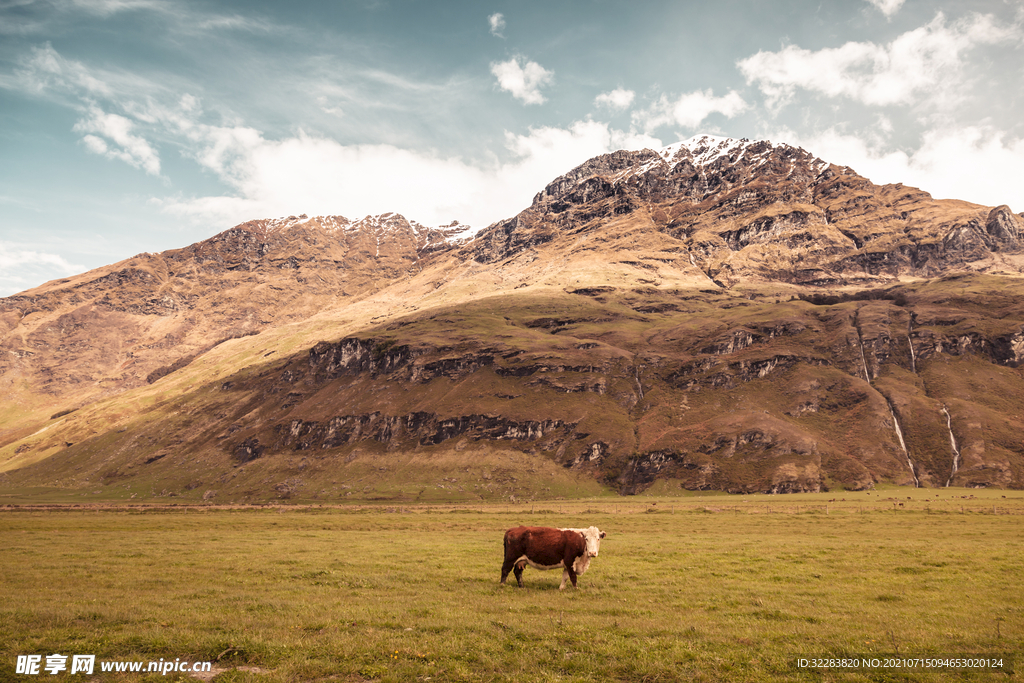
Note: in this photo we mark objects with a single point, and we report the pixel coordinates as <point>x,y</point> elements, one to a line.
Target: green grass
<point>685,589</point>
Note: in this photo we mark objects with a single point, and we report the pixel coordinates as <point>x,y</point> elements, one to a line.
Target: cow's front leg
<point>568,575</point>
<point>569,572</point>
<point>572,575</point>
<point>520,566</point>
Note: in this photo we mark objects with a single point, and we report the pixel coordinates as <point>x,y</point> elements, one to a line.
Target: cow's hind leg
<point>520,566</point>
<point>506,567</point>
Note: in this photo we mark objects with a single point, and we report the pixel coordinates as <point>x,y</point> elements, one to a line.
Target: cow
<point>547,548</point>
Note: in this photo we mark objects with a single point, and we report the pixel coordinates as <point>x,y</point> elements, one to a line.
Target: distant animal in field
<point>547,548</point>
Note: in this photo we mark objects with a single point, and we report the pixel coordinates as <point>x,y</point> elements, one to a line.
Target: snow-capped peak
<point>704,149</point>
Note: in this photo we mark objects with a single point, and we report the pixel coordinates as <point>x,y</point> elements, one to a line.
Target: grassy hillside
<point>594,388</point>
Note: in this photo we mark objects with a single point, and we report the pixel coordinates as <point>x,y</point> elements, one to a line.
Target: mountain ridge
<point>881,231</point>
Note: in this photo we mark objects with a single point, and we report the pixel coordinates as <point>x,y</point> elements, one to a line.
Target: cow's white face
<point>593,537</point>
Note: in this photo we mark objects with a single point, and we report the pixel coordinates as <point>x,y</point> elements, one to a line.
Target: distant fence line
<point>947,507</point>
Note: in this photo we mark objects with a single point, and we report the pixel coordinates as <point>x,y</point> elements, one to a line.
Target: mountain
<point>752,211</point>
<point>72,341</point>
<point>719,314</point>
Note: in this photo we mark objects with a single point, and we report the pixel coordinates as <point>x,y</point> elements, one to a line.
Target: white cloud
<point>887,7</point>
<point>973,163</point>
<point>524,81</point>
<point>233,22</point>
<point>117,129</point>
<point>46,70</point>
<point>189,103</point>
<point>314,174</point>
<point>317,176</point>
<point>11,255</point>
<point>926,61</point>
<point>45,73</point>
<point>497,23</point>
<point>21,267</point>
<point>108,7</point>
<point>180,16</point>
<point>47,17</point>
<point>688,110</point>
<point>616,100</point>
<point>620,139</point>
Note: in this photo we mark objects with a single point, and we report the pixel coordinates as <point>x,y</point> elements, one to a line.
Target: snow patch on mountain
<point>380,225</point>
<point>704,150</point>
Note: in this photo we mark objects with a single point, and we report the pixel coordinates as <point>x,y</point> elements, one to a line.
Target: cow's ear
<point>603,534</point>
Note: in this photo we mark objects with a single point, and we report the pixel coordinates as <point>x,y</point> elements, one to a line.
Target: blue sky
<point>143,125</point>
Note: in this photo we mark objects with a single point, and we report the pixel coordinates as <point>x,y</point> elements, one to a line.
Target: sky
<point>131,126</point>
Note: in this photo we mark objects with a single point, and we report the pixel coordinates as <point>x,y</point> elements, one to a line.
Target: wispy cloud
<point>689,110</point>
<point>887,7</point>
<point>44,69</point>
<point>523,79</point>
<point>22,267</point>
<point>128,116</point>
<point>18,18</point>
<point>181,16</point>
<point>114,138</point>
<point>11,255</point>
<point>497,23</point>
<point>176,16</point>
<point>108,7</point>
<point>926,62</point>
<point>268,174</point>
<point>46,73</point>
<point>232,22</point>
<point>616,100</point>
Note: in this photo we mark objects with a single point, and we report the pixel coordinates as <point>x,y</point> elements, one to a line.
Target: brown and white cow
<point>547,548</point>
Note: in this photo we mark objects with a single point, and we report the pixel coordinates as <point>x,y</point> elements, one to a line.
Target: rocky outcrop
<point>713,373</point>
<point>1005,228</point>
<point>248,450</point>
<point>420,427</point>
<point>353,356</point>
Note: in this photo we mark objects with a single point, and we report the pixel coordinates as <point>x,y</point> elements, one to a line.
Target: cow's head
<point>593,537</point>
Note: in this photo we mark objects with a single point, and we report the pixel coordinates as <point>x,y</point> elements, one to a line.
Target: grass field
<point>720,588</point>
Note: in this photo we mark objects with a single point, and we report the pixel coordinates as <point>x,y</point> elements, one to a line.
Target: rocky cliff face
<point>720,314</point>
